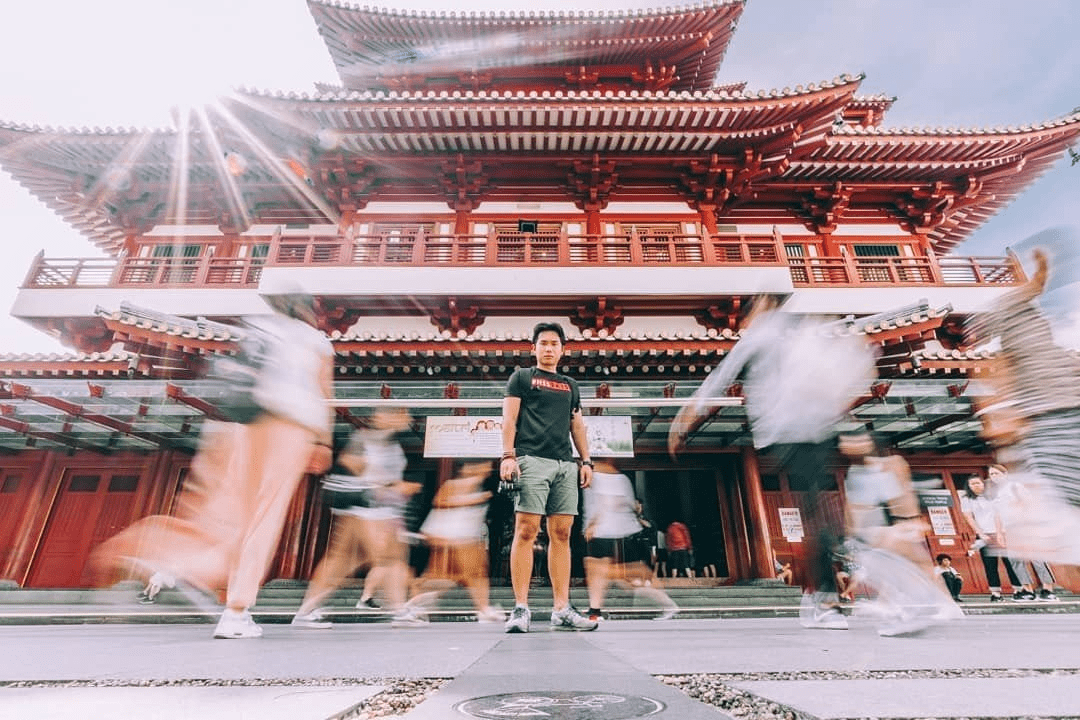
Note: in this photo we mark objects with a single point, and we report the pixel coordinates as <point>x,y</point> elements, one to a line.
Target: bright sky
<point>966,63</point>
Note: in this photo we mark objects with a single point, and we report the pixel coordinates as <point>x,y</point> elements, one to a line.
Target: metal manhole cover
<point>560,705</point>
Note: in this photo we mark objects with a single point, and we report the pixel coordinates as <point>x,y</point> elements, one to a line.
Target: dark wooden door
<point>90,507</point>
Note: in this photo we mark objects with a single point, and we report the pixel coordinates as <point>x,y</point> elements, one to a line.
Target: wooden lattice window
<point>875,250</point>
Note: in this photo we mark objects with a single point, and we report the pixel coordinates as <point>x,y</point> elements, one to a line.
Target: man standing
<point>541,412</point>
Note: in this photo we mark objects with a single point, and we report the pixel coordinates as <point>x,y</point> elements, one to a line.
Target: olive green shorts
<point>547,487</point>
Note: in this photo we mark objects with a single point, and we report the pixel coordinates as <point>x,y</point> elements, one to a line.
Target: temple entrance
<point>89,508</point>
<point>689,495</point>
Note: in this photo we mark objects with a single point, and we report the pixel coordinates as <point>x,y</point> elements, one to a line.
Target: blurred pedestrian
<point>1037,381</point>
<point>799,379</point>
<point>292,436</point>
<point>368,503</point>
<point>612,520</point>
<point>888,538</point>
<point>1009,495</point>
<point>455,531</point>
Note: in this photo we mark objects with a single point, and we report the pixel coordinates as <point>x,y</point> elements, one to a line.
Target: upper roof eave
<point>10,126</point>
<point>841,82</point>
<point>952,133</point>
<point>377,37</point>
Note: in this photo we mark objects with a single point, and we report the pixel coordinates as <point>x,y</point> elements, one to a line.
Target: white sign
<point>480,436</point>
<point>791,524</point>
<point>941,520</point>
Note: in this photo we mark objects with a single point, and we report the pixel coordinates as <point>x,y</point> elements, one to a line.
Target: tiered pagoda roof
<point>775,157</point>
<point>678,50</point>
<point>435,107</point>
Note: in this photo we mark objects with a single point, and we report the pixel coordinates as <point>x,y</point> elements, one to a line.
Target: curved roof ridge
<point>73,356</point>
<point>877,98</point>
<point>35,128</point>
<point>953,131</point>
<point>617,14</point>
<point>343,93</point>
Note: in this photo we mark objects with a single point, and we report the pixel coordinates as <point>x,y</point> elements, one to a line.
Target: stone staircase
<point>278,600</point>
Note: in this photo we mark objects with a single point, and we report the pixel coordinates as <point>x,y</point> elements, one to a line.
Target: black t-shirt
<point>548,400</point>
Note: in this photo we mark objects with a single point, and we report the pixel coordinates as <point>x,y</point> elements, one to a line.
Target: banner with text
<point>480,436</point>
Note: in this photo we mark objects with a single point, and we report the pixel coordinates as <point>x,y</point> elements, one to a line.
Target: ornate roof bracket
<point>463,181</point>
<point>592,182</point>
<point>582,77</point>
<point>85,335</point>
<point>336,316</point>
<point>706,182</point>
<point>826,206</point>
<point>457,319</point>
<point>597,315</point>
<point>923,210</point>
<point>656,77</point>
<point>345,182</point>
<point>724,315</point>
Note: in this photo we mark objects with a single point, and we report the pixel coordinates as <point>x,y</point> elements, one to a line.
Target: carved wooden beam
<point>724,315</point>
<point>656,77</point>
<point>454,318</point>
<point>463,181</point>
<point>825,206</point>
<point>597,315</point>
<point>592,181</point>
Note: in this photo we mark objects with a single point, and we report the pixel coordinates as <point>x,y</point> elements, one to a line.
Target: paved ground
<point>984,666</point>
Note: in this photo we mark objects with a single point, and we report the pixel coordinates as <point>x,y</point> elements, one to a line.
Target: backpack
<point>235,376</point>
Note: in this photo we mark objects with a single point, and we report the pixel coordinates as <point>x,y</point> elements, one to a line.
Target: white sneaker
<point>907,625</point>
<point>236,625</point>
<point>408,617</point>
<point>519,620</point>
<point>668,613</point>
<point>821,617</point>
<point>570,619</point>
<point>313,620</point>
<point>491,614</point>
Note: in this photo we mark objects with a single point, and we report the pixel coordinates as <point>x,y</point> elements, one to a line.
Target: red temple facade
<point>472,175</point>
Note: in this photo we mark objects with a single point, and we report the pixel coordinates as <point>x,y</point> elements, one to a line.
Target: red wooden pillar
<point>592,219</point>
<point>829,246</point>
<point>707,214</point>
<point>462,216</point>
<point>757,517</point>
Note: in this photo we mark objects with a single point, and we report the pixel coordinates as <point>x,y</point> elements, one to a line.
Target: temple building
<point>472,174</point>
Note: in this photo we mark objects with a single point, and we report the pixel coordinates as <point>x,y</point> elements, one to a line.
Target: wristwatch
<point>588,462</point>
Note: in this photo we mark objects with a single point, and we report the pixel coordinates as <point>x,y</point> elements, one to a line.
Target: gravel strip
<point>399,696</point>
<point>716,689</point>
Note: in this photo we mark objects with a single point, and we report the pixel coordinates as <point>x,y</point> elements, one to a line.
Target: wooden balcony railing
<point>520,249</point>
<point>947,270</point>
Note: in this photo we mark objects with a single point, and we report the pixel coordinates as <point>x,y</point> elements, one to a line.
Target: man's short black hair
<point>548,327</point>
<point>943,556</point>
